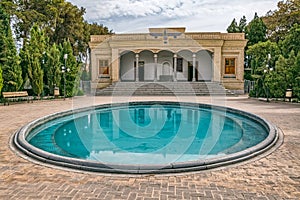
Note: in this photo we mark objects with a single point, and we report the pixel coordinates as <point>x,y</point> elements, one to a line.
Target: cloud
<point>141,8</point>
<point>128,15</point>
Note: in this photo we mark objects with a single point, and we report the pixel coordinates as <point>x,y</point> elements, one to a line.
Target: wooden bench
<point>15,96</point>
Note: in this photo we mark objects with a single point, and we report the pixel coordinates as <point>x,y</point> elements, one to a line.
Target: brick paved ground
<point>276,176</point>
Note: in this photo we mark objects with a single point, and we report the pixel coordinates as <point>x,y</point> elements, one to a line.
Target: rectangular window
<point>179,64</point>
<point>229,65</point>
<point>103,67</point>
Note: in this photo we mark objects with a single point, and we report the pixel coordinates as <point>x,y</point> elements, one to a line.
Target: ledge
<point>20,142</point>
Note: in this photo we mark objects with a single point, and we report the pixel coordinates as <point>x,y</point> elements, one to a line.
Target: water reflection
<point>148,134</point>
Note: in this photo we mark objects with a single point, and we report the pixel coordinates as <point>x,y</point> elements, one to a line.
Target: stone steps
<point>164,89</point>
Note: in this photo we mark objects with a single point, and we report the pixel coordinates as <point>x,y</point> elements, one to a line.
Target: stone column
<point>94,70</point>
<point>115,65</point>
<point>137,67</point>
<point>175,68</point>
<point>217,70</point>
<point>194,67</point>
<point>240,66</point>
<point>155,67</point>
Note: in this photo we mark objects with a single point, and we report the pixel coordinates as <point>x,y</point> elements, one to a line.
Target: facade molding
<point>192,56</point>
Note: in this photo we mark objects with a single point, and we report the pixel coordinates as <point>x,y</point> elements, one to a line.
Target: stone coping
<point>19,140</point>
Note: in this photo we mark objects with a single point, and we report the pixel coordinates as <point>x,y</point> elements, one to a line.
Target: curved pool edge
<point>19,141</point>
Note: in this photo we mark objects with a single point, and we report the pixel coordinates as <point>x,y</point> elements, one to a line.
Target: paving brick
<point>273,177</point>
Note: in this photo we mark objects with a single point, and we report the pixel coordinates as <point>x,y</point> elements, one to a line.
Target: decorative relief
<point>216,36</point>
<point>194,36</point>
<point>130,37</point>
<point>204,36</point>
<point>233,36</point>
<point>99,38</point>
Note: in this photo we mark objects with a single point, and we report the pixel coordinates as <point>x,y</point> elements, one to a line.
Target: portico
<point>166,65</point>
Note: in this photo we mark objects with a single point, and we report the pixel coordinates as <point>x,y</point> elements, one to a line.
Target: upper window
<point>229,65</point>
<point>103,67</point>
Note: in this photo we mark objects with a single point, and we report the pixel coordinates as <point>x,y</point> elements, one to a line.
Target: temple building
<point>168,55</point>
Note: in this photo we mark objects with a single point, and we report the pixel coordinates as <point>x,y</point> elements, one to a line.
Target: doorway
<point>190,71</point>
<point>141,70</point>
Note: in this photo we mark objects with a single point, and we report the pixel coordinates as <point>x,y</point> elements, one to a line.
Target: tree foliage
<point>98,29</point>
<point>233,27</point>
<point>256,31</point>
<point>291,41</point>
<point>284,76</point>
<point>34,51</point>
<point>242,24</point>
<point>46,30</point>
<point>1,80</point>
<point>259,55</point>
<point>52,68</point>
<point>73,74</point>
<point>60,20</point>
<point>9,61</point>
<point>237,28</point>
<point>281,20</point>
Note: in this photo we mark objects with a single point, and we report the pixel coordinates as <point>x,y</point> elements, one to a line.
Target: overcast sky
<point>125,16</point>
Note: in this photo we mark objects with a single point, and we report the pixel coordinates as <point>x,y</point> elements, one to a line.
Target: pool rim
<point>22,145</point>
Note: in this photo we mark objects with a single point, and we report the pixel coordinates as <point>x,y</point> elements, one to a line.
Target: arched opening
<point>205,65</point>
<point>146,66</point>
<point>127,72</point>
<point>165,69</point>
<point>185,65</point>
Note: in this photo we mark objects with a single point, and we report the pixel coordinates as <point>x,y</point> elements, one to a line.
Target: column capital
<point>137,55</point>
<point>155,55</point>
<point>175,55</point>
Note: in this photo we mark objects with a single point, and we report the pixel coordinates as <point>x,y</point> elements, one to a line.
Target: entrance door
<point>190,71</point>
<point>141,71</point>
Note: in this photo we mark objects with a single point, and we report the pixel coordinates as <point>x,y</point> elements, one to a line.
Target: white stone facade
<point>168,54</point>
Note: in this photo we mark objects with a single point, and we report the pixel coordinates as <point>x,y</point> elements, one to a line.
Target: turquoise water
<point>148,134</point>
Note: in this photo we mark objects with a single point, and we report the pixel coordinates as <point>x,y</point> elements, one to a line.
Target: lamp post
<point>267,70</point>
<point>64,69</point>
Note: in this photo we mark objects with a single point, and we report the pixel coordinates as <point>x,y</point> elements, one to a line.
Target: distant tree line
<point>272,55</point>
<point>34,37</point>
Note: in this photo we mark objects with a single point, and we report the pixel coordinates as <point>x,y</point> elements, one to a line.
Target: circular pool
<point>146,137</point>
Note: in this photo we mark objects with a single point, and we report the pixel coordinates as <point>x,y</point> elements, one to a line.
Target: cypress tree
<point>52,68</point>
<point>233,27</point>
<point>33,54</point>
<point>1,80</point>
<point>73,75</point>
<point>256,31</point>
<point>9,60</point>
